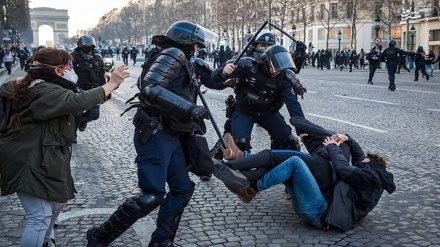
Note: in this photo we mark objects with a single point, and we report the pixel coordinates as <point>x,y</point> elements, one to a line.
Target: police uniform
<point>420,61</point>
<point>391,56</point>
<point>90,71</point>
<point>259,97</point>
<point>167,116</point>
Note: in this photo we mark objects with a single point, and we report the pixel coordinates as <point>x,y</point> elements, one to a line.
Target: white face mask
<point>70,75</point>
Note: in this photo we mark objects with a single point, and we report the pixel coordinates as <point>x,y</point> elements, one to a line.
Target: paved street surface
<point>403,125</point>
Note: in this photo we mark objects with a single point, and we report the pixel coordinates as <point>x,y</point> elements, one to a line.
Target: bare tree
<point>389,15</point>
<point>327,16</point>
<point>305,18</point>
<point>356,12</point>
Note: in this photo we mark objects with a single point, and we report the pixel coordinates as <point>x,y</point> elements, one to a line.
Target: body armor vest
<point>89,71</point>
<point>259,93</point>
<point>391,53</point>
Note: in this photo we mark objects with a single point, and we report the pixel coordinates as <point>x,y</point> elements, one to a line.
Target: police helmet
<point>420,48</point>
<point>86,40</point>
<point>187,33</point>
<point>392,43</point>
<point>265,37</point>
<point>277,58</point>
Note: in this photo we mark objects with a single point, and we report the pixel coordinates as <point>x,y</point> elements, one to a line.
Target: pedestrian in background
<point>373,58</point>
<point>36,148</point>
<point>420,61</point>
<point>23,56</point>
<point>2,55</point>
<point>430,62</point>
<point>8,59</point>
<point>362,58</point>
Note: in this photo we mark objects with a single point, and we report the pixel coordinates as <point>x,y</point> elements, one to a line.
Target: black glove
<point>299,89</point>
<point>198,113</point>
<point>246,63</point>
<point>296,84</point>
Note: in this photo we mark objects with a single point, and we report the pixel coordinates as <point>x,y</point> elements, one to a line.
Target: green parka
<point>36,158</point>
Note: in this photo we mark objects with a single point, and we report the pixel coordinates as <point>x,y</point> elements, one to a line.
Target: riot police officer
<point>420,61</point>
<point>91,74</point>
<point>391,56</point>
<point>262,89</point>
<point>167,116</point>
<point>125,54</point>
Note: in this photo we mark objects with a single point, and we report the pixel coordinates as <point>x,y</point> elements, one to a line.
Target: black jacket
<point>366,181</point>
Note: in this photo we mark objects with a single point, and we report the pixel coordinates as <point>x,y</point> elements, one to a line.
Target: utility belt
<point>146,125</point>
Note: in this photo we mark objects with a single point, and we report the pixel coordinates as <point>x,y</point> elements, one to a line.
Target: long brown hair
<point>45,60</point>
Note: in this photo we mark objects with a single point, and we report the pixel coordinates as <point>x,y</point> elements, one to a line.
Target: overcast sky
<point>84,14</point>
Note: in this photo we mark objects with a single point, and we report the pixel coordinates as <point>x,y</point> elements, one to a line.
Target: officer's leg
<point>416,73</point>
<point>280,132</point>
<point>392,76</point>
<point>153,158</point>
<point>181,189</point>
<point>242,125</point>
<point>125,216</point>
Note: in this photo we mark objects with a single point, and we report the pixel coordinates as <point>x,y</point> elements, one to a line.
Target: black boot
<point>125,216</point>
<point>170,221</point>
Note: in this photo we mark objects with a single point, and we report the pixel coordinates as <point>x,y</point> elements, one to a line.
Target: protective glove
<point>198,113</point>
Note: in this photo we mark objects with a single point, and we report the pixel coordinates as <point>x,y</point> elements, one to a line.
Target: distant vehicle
<point>108,62</point>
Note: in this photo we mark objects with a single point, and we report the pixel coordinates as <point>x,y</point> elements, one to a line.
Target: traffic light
<point>281,42</point>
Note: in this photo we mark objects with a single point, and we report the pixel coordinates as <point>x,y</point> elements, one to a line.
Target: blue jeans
<point>161,160</point>
<point>41,215</point>
<point>307,199</point>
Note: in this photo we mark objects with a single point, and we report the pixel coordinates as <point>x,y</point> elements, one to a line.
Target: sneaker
<point>229,176</point>
<point>416,79</point>
<point>232,152</point>
<point>245,195</point>
<point>393,87</point>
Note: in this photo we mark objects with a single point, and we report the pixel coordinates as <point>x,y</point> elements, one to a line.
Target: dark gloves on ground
<point>198,113</point>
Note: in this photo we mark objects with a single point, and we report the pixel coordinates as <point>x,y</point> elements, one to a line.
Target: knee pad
<point>244,144</point>
<point>227,127</point>
<point>291,143</point>
<point>140,205</point>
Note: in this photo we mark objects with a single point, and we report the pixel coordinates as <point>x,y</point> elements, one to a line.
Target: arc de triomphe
<point>55,18</point>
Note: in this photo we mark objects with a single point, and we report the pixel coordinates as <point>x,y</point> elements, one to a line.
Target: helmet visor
<point>281,61</point>
<point>209,36</point>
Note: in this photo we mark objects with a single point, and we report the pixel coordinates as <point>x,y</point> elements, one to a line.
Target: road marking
<point>433,110</point>
<point>399,88</point>
<point>348,122</point>
<point>370,100</point>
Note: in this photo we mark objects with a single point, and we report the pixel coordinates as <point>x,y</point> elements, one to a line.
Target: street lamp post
<point>339,40</point>
<point>293,36</point>
<point>377,26</point>
<point>293,31</point>
<point>412,32</point>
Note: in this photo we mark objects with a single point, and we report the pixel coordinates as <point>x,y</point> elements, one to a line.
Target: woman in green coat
<point>36,148</point>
